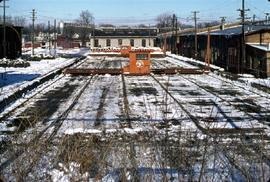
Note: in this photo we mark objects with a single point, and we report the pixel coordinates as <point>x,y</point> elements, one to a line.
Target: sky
<point>134,11</point>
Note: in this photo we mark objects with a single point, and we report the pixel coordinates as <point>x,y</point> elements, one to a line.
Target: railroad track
<point>12,111</point>
<point>259,118</point>
<point>125,102</point>
<point>221,98</point>
<point>245,139</point>
<point>42,137</point>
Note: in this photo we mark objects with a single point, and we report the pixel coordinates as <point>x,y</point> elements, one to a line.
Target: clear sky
<point>133,11</point>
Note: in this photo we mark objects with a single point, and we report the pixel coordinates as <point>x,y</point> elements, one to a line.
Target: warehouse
<point>226,47</point>
<point>116,37</point>
<point>76,36</point>
<point>13,42</point>
<point>258,59</point>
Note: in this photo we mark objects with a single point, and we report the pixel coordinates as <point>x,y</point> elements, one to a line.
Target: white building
<point>116,37</point>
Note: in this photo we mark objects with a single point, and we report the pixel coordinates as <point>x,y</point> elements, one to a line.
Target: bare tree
<point>208,24</point>
<point>164,20</point>
<point>19,21</point>
<point>86,21</point>
<point>9,19</point>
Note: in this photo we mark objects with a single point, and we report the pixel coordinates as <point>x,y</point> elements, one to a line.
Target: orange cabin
<point>139,62</point>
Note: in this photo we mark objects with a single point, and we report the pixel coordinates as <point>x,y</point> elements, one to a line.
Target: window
<point>143,42</point>
<point>142,56</point>
<point>108,42</point>
<point>96,43</point>
<point>120,42</point>
<point>132,42</point>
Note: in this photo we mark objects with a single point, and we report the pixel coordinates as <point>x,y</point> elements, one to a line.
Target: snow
<point>99,113</point>
<point>181,58</point>
<point>260,81</point>
<point>263,47</point>
<point>14,79</point>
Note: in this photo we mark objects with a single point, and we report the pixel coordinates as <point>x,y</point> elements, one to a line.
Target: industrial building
<point>13,42</point>
<point>226,48</point>
<point>106,36</point>
<point>116,37</point>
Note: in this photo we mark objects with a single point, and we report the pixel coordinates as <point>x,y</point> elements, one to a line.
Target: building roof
<point>237,30</point>
<point>118,32</point>
<point>264,47</point>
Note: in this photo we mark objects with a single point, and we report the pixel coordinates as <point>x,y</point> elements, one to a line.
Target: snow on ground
<point>94,136</point>
<point>194,61</point>
<point>265,82</point>
<point>13,79</point>
<point>58,51</point>
<point>245,77</point>
<point>16,78</point>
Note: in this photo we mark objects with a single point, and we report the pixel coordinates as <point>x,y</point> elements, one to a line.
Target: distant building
<point>107,36</point>
<point>13,42</point>
<point>116,37</point>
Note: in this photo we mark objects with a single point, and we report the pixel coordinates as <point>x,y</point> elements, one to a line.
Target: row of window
<point>120,42</point>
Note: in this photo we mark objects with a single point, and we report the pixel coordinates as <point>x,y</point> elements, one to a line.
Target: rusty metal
<point>119,71</point>
<point>177,71</point>
<point>93,71</point>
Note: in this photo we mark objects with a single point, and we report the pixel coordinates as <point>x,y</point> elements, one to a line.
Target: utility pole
<point>223,20</point>
<point>4,31</point>
<point>33,30</point>
<point>243,20</point>
<point>94,36</point>
<point>176,35</point>
<point>173,36</point>
<point>55,35</point>
<point>254,18</point>
<point>149,36</point>
<point>267,17</point>
<point>4,35</point>
<point>208,50</point>
<point>49,36</point>
<point>196,38</point>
